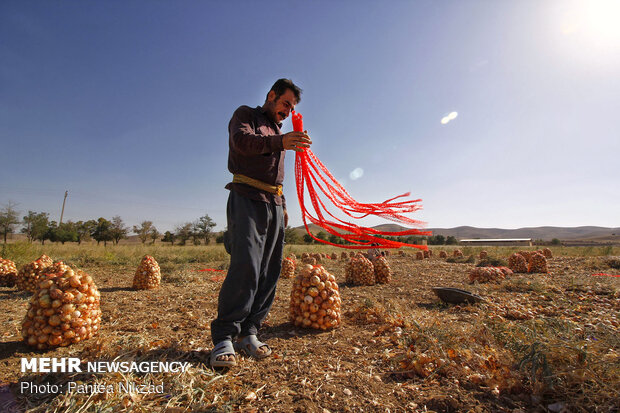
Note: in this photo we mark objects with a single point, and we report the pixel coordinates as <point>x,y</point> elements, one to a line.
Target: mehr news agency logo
<point>73,365</point>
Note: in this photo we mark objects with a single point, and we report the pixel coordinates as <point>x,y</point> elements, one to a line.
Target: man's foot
<point>223,355</point>
<point>250,346</point>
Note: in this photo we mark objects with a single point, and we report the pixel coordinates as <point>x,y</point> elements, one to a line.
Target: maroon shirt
<point>256,150</point>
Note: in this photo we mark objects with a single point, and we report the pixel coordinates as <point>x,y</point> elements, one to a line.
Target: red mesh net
<point>312,176</point>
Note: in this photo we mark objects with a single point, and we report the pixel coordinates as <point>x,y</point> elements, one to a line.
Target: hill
<point>590,233</point>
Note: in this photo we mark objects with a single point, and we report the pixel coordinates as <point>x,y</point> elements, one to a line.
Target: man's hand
<point>296,141</point>
<point>285,219</point>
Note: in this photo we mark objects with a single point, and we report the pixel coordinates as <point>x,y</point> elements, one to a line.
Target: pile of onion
<point>419,255</point>
<point>63,310</point>
<point>8,273</point>
<point>457,253</point>
<point>443,254</point>
<point>31,274</point>
<point>288,268</point>
<point>537,263</point>
<point>344,255</point>
<point>517,263</point>
<point>483,254</point>
<point>292,257</point>
<point>383,273</point>
<point>547,253</point>
<point>148,274</point>
<point>317,256</point>
<point>487,274</point>
<point>360,271</point>
<point>526,254</point>
<point>427,253</point>
<point>315,299</point>
<point>334,256</point>
<point>307,259</point>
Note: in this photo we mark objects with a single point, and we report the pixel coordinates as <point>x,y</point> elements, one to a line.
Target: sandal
<point>223,348</point>
<point>249,346</point>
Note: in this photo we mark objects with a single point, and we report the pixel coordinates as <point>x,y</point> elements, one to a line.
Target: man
<point>256,215</point>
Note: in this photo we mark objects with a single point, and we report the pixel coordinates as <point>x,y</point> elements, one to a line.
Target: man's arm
<point>245,140</point>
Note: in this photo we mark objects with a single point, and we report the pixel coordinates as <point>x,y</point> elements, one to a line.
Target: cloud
<point>357,173</point>
<point>451,116</point>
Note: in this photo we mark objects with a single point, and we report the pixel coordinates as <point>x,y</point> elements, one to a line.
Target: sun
<point>595,21</point>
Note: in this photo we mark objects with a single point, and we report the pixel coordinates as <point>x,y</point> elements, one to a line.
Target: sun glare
<point>595,21</point>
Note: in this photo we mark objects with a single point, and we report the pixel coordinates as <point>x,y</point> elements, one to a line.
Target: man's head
<point>281,99</point>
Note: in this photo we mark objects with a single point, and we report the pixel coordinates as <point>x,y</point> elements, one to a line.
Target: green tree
<point>436,240</point>
<point>118,229</point>
<point>102,231</point>
<point>144,230</point>
<point>51,233</point>
<point>184,232</point>
<point>556,241</point>
<point>154,234</point>
<point>308,239</point>
<point>334,239</point>
<point>169,237</point>
<point>85,230</point>
<point>8,219</point>
<point>322,236</point>
<point>451,240</point>
<point>203,228</point>
<point>66,232</point>
<point>35,225</point>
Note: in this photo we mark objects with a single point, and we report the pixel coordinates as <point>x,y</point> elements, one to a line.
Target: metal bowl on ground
<point>456,296</point>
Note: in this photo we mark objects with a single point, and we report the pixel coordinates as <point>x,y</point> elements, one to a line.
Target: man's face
<point>280,108</point>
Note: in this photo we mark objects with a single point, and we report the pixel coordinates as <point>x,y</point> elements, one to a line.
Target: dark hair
<point>282,85</point>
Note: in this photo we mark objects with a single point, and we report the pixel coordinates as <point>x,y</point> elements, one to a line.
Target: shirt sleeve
<point>245,140</point>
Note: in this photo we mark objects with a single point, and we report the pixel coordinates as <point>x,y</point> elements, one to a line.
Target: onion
<point>8,273</point>
<point>148,274</point>
<point>320,306</point>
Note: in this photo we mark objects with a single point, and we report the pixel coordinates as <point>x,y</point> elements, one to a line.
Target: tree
<point>436,240</point>
<point>556,241</point>
<point>144,230</point>
<point>51,232</point>
<point>203,228</point>
<point>168,237</point>
<point>334,239</point>
<point>321,235</point>
<point>184,232</point>
<point>102,231</point>
<point>118,229</point>
<point>308,239</point>
<point>291,236</point>
<point>154,234</point>
<point>451,240</point>
<point>66,232</point>
<point>35,225</point>
<point>85,230</point>
<point>8,219</point>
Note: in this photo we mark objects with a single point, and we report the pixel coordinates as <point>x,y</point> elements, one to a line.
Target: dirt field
<point>540,342</point>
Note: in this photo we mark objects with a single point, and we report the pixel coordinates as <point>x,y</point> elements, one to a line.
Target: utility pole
<point>63,207</point>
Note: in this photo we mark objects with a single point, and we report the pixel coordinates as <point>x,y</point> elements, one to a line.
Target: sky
<point>495,113</point>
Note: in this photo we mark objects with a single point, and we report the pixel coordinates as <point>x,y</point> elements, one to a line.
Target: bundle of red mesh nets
<point>313,177</point>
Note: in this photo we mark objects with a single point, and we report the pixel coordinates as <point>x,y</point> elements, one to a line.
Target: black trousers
<point>255,239</point>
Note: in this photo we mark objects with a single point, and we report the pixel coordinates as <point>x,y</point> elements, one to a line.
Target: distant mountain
<point>544,233</point>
